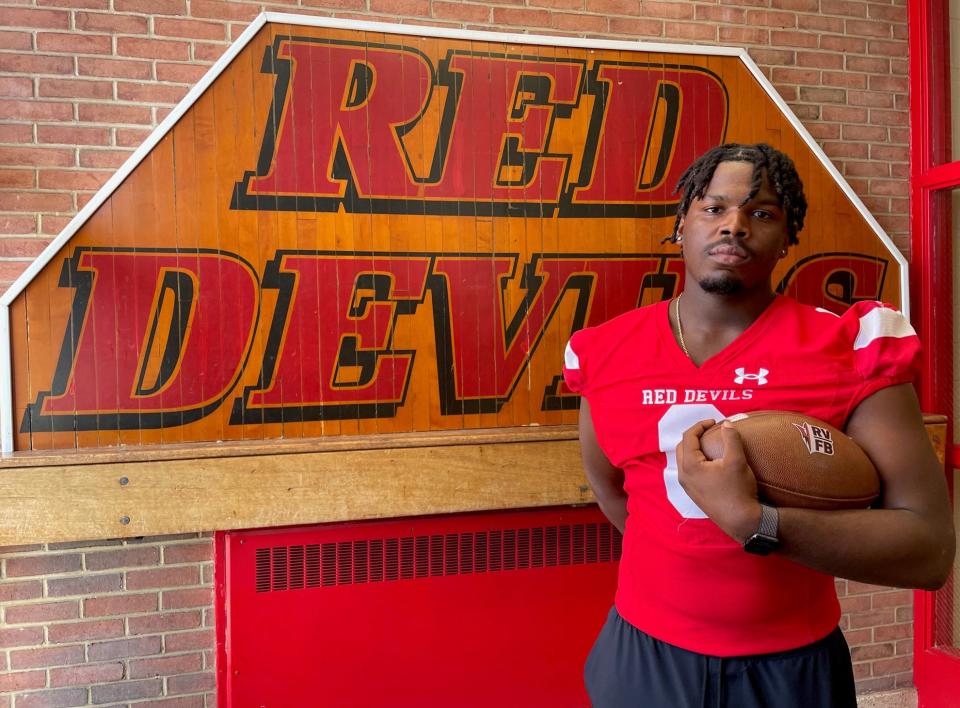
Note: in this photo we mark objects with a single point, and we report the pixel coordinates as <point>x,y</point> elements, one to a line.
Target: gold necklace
<point>676,313</point>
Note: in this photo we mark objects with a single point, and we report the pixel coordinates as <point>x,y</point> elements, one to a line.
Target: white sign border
<point>6,375</point>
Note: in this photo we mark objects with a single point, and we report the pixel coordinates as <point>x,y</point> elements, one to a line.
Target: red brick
<point>119,605</point>
<point>72,135</point>
<point>871,618</point>
<point>16,40</point>
<point>185,641</point>
<point>874,99</point>
<point>22,680</point>
<point>110,22</point>
<point>892,666</point>
<point>114,68</point>
<point>208,572</point>
<point>208,52</point>
<point>888,83</point>
<point>125,690</point>
<point>44,611</point>
<point>771,18</point>
<point>904,614</point>
<point>520,17</point>
<point>20,637</point>
<point>178,702</point>
<point>894,153</point>
<point>11,270</point>
<point>35,64</point>
<point>16,133</point>
<point>217,10</point>
<point>559,4</point>
<point>21,179</point>
<point>195,29</point>
<point>838,150</point>
<point>869,652</point>
<point>903,647</point>
<point>415,8</point>
<point>798,76</point>
<point>128,557</point>
<point>46,656</point>
<point>73,4</point>
<point>870,65</point>
<point>35,201</point>
<point>579,23</point>
<point>822,95</point>
<point>744,35</point>
<point>162,578</point>
<point>103,158</point>
<point>844,79</point>
<point>74,43</point>
<point>86,674</point>
<point>53,225</point>
<point>20,566</point>
<point>84,631</point>
<point>868,28</point>
<point>11,224</point>
<point>885,48</point>
<point>721,14</point>
<point>14,109</point>
<point>24,17</point>
<point>822,60</point>
<point>667,10</point>
<point>165,666</point>
<point>110,113</point>
<point>854,168</point>
<point>848,8</point>
<point>843,44</point>
<point>614,7</point>
<point>152,48</point>
<point>462,11</point>
<point>192,683</point>
<point>180,73</point>
<point>797,5</point>
<point>60,698</point>
<point>639,27</point>
<point>124,648</point>
<point>24,589</point>
<point>152,7</point>
<point>164,622</point>
<point>854,603</point>
<point>73,88</point>
<point>19,87</point>
<point>191,597</point>
<point>904,680</point>
<point>794,39</point>
<point>131,137</point>
<point>858,637</point>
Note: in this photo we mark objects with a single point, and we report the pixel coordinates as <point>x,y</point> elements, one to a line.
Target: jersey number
<point>671,427</point>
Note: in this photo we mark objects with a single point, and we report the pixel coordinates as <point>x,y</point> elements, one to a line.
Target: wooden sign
<point>353,229</point>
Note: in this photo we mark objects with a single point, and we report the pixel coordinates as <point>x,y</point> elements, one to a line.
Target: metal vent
<point>410,557</point>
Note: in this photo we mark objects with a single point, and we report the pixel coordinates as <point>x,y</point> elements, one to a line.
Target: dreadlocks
<point>778,167</point>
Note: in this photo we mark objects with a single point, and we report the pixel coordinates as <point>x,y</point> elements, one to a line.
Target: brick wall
<point>83,82</point>
<point>108,622</point>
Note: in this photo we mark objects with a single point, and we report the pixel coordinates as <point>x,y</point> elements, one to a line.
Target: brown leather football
<point>801,461</point>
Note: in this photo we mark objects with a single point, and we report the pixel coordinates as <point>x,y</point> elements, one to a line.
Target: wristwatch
<point>764,541</point>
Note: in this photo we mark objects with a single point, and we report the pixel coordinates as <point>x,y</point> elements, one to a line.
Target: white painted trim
<point>6,389</point>
<point>838,178</point>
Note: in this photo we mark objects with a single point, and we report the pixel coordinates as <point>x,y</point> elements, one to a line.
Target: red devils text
<point>160,337</point>
<point>377,128</point>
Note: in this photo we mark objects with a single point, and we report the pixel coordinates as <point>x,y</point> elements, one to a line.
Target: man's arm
<point>908,541</point>
<point>605,480</point>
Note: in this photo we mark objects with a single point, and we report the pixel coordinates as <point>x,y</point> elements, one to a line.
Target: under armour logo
<point>741,376</point>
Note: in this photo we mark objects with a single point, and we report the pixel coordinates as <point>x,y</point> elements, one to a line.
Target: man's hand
<point>725,488</point>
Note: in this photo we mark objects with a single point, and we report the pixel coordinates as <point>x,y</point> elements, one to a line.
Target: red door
<point>935,228</point>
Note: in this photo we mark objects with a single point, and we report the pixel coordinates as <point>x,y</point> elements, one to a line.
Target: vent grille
<point>413,557</point>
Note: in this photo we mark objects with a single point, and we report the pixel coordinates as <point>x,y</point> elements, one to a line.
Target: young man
<point>721,600</point>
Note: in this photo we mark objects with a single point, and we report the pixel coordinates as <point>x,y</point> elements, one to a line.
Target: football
<point>800,461</point>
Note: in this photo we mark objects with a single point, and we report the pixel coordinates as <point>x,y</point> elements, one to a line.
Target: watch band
<point>769,521</point>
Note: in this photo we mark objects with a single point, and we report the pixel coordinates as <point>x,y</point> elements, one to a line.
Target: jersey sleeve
<point>886,349</point>
<point>574,361</point>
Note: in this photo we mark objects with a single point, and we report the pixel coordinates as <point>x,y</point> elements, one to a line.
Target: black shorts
<point>630,669</point>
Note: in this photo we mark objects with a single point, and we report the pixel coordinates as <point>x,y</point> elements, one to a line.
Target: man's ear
<point>785,249</point>
<point>679,233</point>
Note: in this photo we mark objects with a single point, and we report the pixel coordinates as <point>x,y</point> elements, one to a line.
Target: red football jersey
<point>682,579</point>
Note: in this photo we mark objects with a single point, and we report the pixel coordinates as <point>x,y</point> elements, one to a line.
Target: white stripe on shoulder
<point>882,322</point>
<point>570,359</point>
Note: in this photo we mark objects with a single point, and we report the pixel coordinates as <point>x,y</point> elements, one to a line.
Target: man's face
<point>730,246</point>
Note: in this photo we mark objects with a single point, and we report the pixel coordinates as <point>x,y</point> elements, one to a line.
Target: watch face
<point>761,545</point>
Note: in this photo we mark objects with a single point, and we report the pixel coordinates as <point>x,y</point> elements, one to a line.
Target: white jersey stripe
<point>882,322</point>
<point>570,359</point>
